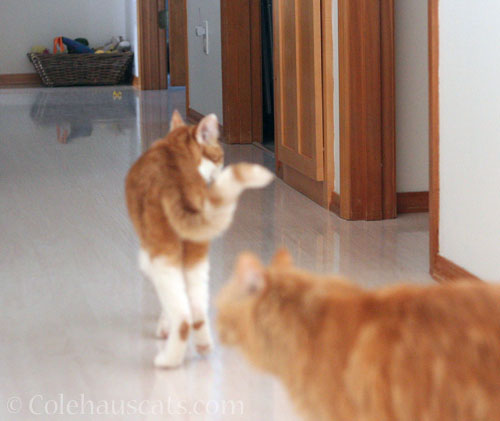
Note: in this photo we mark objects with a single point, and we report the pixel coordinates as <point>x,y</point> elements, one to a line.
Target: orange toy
<point>58,45</point>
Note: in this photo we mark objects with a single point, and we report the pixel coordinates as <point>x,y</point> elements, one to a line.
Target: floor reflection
<point>74,117</point>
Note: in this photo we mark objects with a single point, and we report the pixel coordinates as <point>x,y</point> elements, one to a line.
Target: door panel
<point>299,98</point>
<point>177,42</point>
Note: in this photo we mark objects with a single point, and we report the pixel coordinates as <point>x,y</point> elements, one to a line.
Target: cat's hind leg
<point>162,326</point>
<point>197,283</point>
<point>168,280</point>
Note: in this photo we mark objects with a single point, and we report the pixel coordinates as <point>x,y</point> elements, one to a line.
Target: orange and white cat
<point>179,198</point>
<point>404,353</point>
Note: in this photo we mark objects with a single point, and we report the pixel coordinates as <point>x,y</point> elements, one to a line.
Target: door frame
<point>433,133</point>
<point>367,107</point>
<point>364,143</point>
<point>442,269</point>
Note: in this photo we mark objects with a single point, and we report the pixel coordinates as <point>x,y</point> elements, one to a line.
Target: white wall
<point>412,98</point>
<point>205,71</point>
<point>412,121</point>
<point>24,23</point>
<point>131,30</point>
<point>469,230</point>
<point>336,97</point>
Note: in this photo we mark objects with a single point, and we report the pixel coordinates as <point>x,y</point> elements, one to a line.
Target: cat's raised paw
<point>253,176</point>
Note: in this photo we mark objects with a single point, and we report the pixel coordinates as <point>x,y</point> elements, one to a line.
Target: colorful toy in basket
<point>59,46</point>
<point>40,49</point>
<point>73,46</point>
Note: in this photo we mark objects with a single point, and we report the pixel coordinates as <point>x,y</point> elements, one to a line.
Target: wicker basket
<point>82,69</point>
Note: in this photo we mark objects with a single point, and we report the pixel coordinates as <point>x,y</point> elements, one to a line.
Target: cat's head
<point>203,143</point>
<point>236,299</point>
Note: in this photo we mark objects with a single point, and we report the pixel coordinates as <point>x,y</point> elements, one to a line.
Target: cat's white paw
<point>260,177</point>
<point>203,340</point>
<point>204,349</point>
<point>254,176</point>
<point>163,360</point>
<point>162,328</point>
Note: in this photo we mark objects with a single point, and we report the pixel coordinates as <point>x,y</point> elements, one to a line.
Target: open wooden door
<point>298,85</point>
<point>304,97</point>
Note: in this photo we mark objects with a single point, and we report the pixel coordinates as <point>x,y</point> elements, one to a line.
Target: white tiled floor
<point>77,319</point>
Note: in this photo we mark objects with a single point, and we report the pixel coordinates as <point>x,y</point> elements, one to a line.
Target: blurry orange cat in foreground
<point>180,198</point>
<point>402,353</point>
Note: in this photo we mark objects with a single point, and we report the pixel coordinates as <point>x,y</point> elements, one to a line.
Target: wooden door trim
<point>8,80</point>
<point>367,104</point>
<point>162,49</point>
<point>143,69</point>
<point>194,117</point>
<point>388,79</point>
<point>413,202</point>
<point>187,62</point>
<point>446,271</point>
<point>434,132</point>
<point>331,199</point>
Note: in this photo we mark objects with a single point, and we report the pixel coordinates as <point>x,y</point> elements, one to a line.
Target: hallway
<point>77,317</point>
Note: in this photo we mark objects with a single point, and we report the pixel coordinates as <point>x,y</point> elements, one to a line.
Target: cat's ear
<point>249,273</point>
<point>176,121</point>
<point>207,130</point>
<point>282,258</point>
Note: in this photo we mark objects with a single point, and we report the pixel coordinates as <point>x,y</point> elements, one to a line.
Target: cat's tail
<point>216,212</point>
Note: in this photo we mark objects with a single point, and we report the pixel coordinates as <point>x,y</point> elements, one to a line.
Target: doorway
<point>304,111</point>
<point>162,43</point>
<point>267,75</point>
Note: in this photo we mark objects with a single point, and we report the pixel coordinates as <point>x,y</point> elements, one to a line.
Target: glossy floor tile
<point>77,319</point>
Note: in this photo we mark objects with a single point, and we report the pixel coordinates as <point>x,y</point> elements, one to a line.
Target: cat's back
<point>450,306</point>
<point>151,168</point>
<point>148,177</point>
<point>430,353</point>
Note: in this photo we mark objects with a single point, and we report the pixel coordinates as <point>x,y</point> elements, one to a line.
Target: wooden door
<point>152,48</point>
<point>238,61</point>
<point>298,85</point>
<point>177,42</point>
